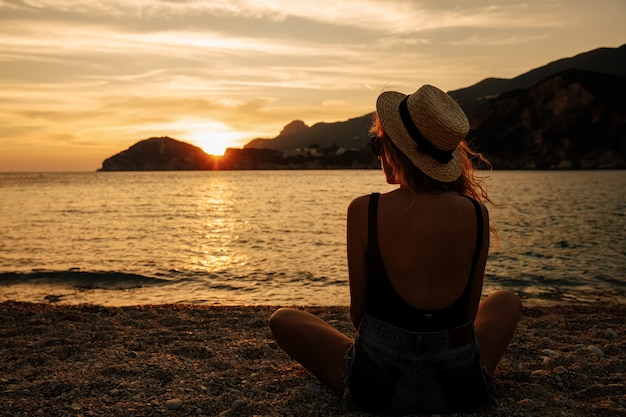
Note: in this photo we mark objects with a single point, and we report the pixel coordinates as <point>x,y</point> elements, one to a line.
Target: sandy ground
<point>181,360</point>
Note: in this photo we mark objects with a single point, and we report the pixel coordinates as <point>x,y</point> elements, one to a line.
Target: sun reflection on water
<point>278,237</point>
<point>216,250</point>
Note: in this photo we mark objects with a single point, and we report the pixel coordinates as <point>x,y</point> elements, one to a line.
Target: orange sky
<point>81,80</point>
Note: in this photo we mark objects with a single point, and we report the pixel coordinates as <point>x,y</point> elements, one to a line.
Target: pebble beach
<point>191,360</point>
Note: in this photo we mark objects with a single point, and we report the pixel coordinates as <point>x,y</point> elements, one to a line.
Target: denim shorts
<point>394,371</point>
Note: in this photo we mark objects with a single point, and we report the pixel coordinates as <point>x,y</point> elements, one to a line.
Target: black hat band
<point>423,145</point>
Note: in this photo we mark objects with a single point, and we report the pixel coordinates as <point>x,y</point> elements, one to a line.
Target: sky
<point>81,80</point>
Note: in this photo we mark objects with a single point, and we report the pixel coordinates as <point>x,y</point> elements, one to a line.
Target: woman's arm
<point>357,266</point>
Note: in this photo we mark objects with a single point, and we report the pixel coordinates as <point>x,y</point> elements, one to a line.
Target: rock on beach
<point>595,350</point>
<point>174,404</point>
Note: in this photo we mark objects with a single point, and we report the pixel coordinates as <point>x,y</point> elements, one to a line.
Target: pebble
<point>595,350</point>
<point>524,401</point>
<point>174,404</point>
<point>550,352</point>
<point>611,333</point>
<point>238,404</point>
<point>547,360</point>
<point>559,381</point>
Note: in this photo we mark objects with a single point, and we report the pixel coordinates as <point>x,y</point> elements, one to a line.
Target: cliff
<point>611,61</point>
<point>575,119</point>
<point>159,154</point>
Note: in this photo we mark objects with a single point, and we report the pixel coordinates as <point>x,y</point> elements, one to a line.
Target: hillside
<point>568,114</point>
<point>348,134</point>
<point>610,61</point>
<point>159,154</point>
<point>574,119</point>
<point>168,154</point>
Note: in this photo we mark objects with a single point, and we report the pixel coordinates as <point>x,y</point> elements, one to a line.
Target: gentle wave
<point>221,288</point>
<point>81,279</point>
<point>118,288</point>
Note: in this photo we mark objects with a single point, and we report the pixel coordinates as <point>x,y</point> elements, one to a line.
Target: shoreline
<point>201,360</point>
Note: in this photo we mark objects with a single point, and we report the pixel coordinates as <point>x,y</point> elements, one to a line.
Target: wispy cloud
<point>77,74</point>
<point>477,40</point>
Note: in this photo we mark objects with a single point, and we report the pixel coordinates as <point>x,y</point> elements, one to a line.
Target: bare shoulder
<point>358,205</point>
<point>357,217</point>
<point>466,201</point>
<point>483,208</point>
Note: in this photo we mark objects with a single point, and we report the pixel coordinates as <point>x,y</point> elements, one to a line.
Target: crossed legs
<point>321,348</point>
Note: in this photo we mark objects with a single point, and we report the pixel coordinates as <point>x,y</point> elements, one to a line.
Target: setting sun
<point>214,145</point>
<point>214,138</point>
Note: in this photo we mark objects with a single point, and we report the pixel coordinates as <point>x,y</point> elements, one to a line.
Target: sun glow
<point>214,138</point>
<point>213,145</point>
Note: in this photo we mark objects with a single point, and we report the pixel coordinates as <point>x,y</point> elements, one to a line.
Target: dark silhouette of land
<point>568,114</point>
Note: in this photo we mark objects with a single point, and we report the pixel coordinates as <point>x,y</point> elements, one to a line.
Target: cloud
<point>391,16</point>
<point>76,72</point>
<point>498,40</point>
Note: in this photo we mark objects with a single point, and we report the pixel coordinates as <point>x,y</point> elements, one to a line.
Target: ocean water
<point>278,237</point>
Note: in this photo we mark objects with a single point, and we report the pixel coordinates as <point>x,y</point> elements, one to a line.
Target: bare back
<point>426,243</point>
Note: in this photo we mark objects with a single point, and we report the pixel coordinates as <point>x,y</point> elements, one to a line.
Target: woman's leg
<point>318,346</point>
<point>495,324</point>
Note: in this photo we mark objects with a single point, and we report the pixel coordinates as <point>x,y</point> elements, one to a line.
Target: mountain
<point>167,154</point>
<point>610,61</point>
<point>159,154</point>
<point>573,119</point>
<point>348,134</point>
<point>568,114</point>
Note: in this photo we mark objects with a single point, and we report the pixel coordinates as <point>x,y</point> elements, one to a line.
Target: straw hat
<point>427,126</point>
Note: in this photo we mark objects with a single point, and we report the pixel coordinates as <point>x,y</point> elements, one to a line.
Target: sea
<point>278,237</point>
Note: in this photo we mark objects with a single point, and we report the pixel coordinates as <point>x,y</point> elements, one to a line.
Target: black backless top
<point>385,304</point>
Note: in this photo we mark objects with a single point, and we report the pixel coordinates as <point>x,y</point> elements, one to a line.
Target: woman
<point>416,258</point>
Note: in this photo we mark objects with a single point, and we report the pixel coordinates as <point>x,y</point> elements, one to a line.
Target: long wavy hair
<point>408,175</point>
